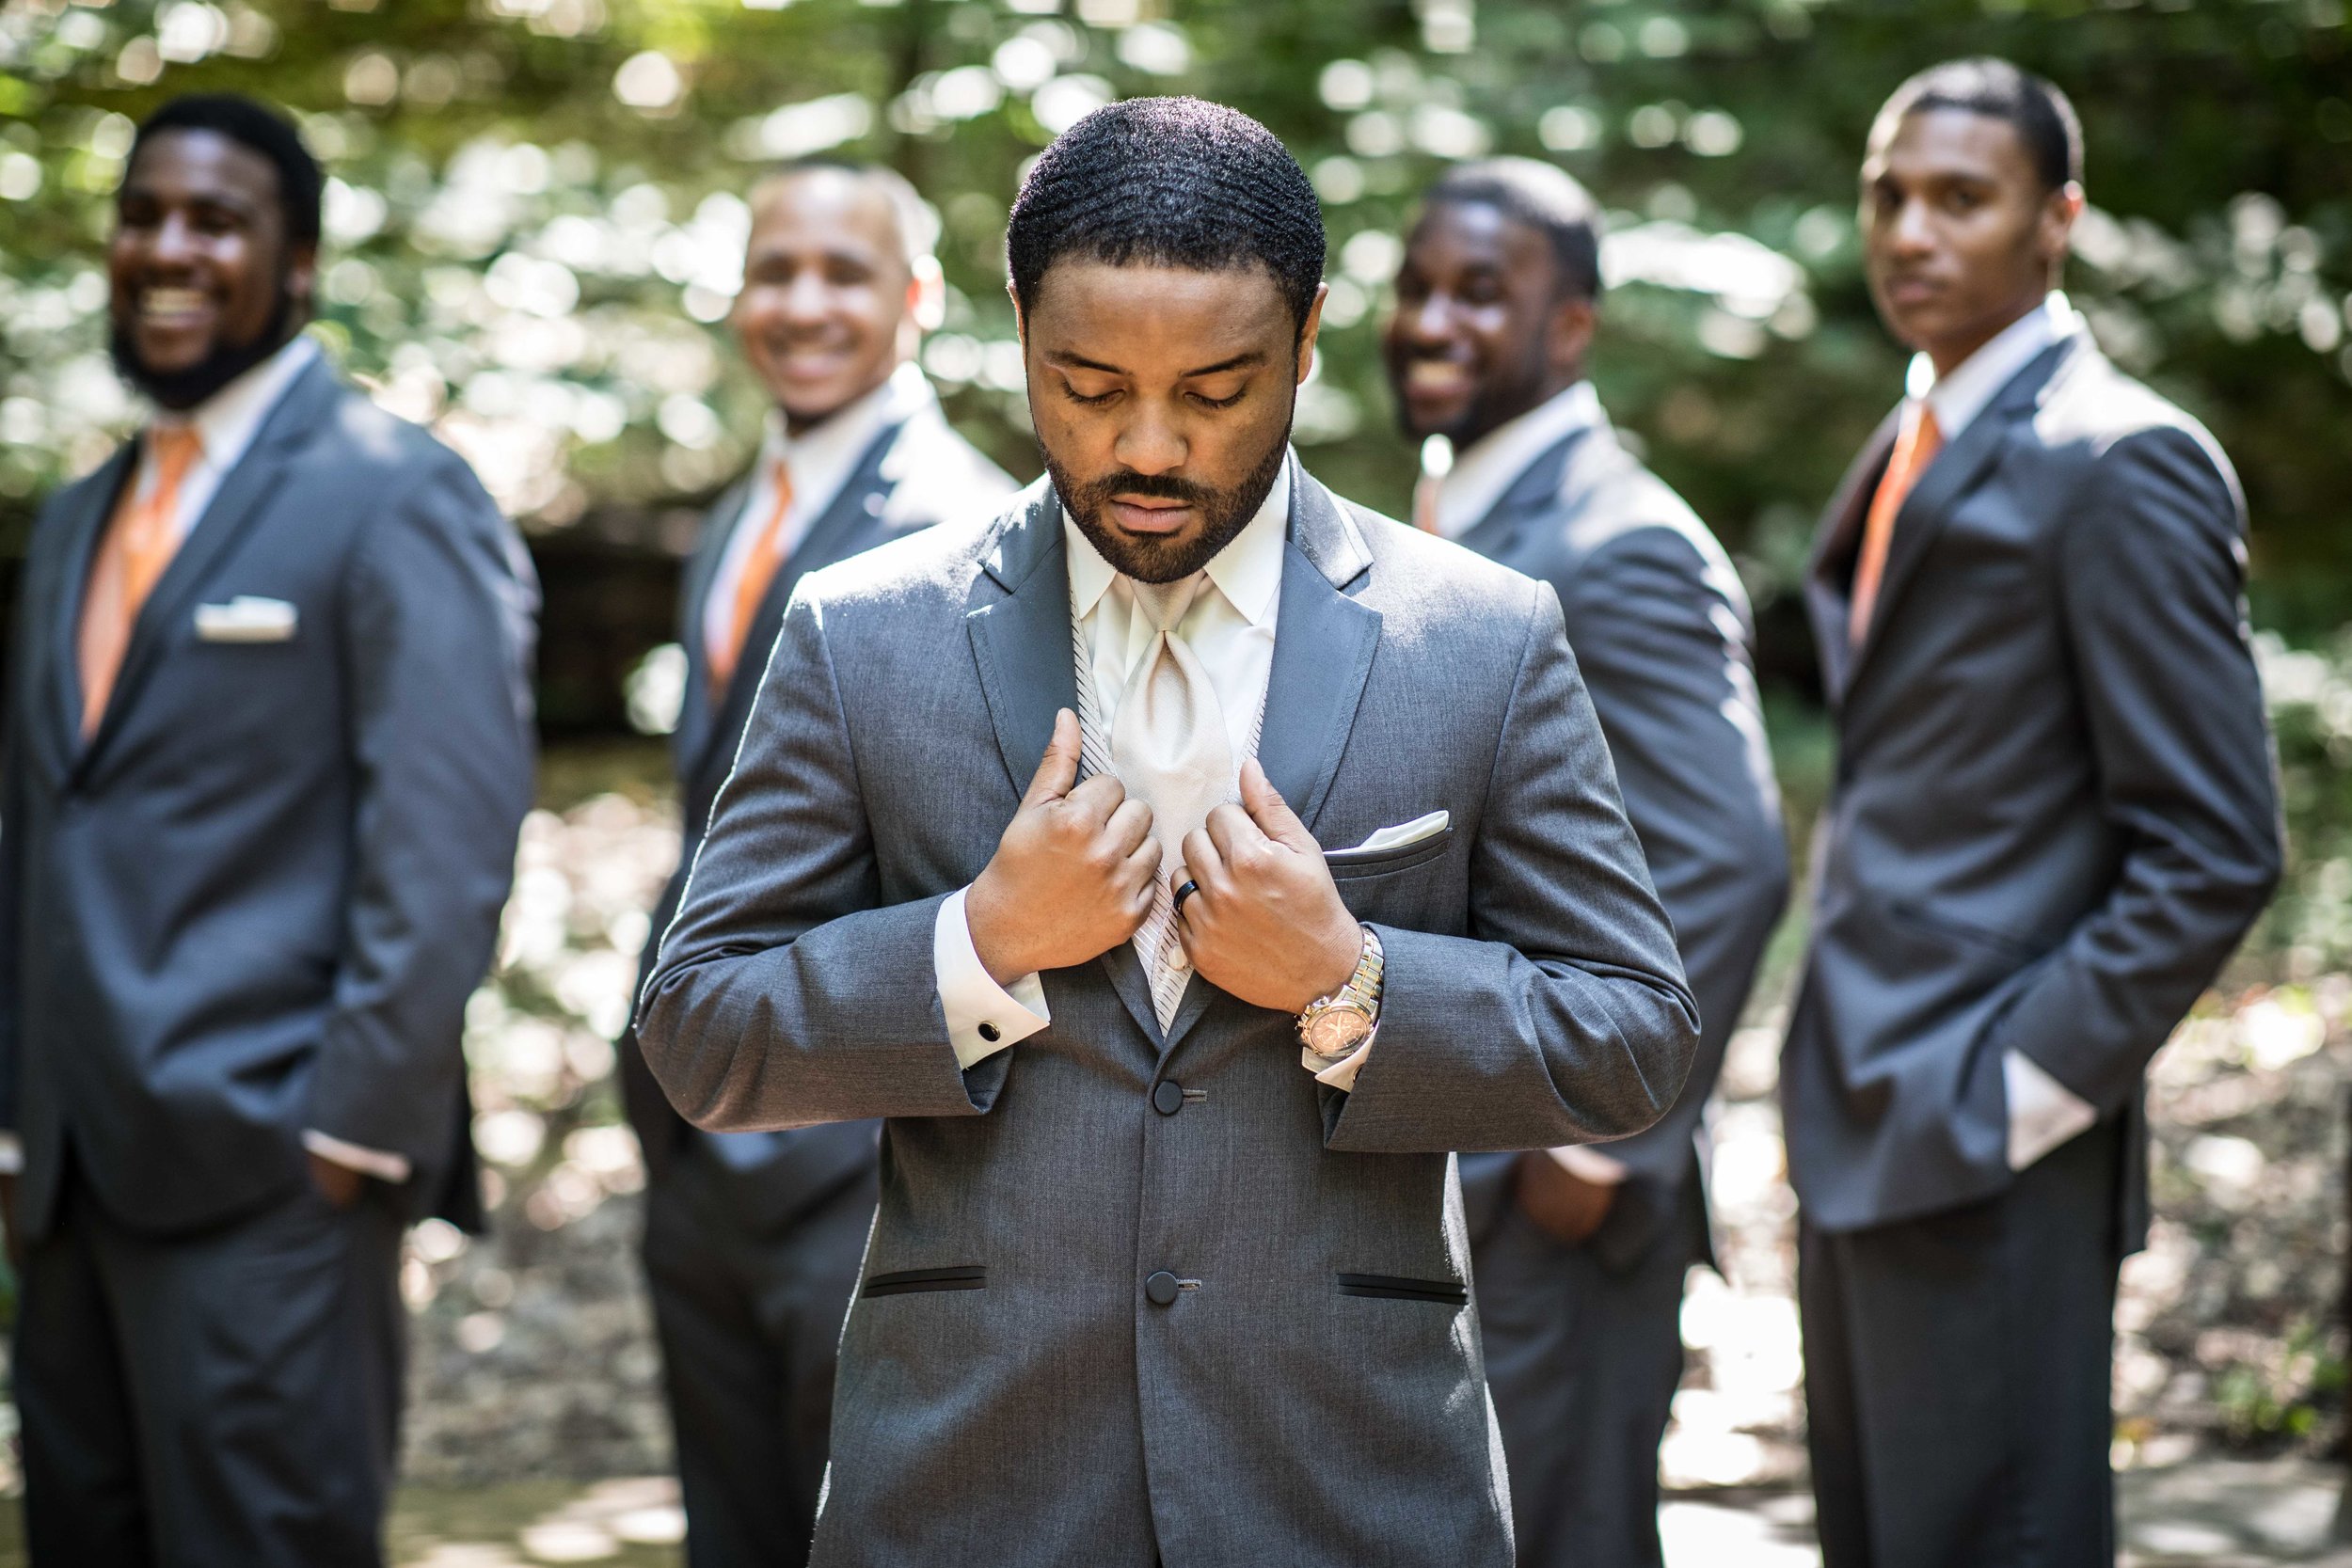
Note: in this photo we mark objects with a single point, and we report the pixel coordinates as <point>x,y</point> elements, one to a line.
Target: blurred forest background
<point>535,226</point>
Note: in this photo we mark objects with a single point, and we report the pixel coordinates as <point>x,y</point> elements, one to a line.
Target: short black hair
<point>1171,182</point>
<point>262,130</point>
<point>2038,111</point>
<point>1544,198</point>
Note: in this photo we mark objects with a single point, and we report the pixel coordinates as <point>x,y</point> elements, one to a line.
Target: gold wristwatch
<point>1333,1025</point>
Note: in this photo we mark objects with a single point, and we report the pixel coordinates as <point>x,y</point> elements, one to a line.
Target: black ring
<point>1183,891</point>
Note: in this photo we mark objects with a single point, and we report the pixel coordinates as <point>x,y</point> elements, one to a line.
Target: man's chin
<point>185,386</point>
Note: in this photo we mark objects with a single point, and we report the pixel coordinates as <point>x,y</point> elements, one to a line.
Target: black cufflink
<point>990,1032</point>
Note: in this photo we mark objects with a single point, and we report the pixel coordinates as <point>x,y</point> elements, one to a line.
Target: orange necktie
<point>759,570</point>
<point>1426,503</point>
<point>139,543</point>
<point>1917,442</point>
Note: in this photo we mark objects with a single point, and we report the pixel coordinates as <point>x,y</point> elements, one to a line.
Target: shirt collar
<point>1481,474</point>
<point>1957,399</point>
<point>227,421</point>
<point>1247,570</point>
<point>842,435</point>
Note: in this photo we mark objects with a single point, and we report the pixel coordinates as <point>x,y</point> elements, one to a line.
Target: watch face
<point>1337,1032</point>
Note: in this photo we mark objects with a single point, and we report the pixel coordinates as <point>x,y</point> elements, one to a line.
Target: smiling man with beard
<point>268,748</point>
<point>1182,861</point>
<point>1582,1252</point>
<point>753,1239</point>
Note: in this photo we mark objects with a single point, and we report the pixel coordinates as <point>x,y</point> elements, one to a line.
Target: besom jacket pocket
<point>1390,1287</point>
<point>906,1282</point>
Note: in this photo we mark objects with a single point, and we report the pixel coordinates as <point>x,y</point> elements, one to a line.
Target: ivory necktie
<point>1170,747</point>
<point>139,543</point>
<point>750,587</point>
<point>1917,442</point>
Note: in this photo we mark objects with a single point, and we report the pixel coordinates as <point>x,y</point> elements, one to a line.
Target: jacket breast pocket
<point>1390,1287</point>
<point>906,1282</point>
<point>1353,864</point>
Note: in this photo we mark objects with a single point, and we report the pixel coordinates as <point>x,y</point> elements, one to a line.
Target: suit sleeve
<point>2152,569</point>
<point>1563,1016</point>
<point>435,643</point>
<point>783,995</point>
<point>1664,650</point>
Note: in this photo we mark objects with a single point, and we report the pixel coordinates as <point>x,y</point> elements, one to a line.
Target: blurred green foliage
<point>536,220</point>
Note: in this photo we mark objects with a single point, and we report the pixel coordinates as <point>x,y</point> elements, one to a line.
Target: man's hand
<point>1268,925</point>
<point>339,1184</point>
<point>1072,876</point>
<point>1563,1204</point>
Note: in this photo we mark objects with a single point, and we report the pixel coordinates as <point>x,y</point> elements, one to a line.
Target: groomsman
<point>1580,1251</point>
<point>2054,816</point>
<point>753,1239</point>
<point>268,745</point>
<point>1168,1266</point>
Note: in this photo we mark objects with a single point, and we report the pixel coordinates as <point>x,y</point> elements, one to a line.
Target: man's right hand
<point>1073,875</point>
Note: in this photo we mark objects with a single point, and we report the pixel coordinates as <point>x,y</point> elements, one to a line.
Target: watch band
<point>1359,994</point>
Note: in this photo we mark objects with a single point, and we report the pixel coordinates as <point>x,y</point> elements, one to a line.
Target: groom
<point>1182,861</point>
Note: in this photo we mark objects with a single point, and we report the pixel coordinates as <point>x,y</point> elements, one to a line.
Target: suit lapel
<point>1020,644</point>
<point>241,499</point>
<point>1536,492</point>
<point>1829,578</point>
<point>696,714</point>
<point>92,508</point>
<point>1952,475</point>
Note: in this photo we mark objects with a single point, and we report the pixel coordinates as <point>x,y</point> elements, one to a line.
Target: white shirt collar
<point>1957,399</point>
<point>1247,570</point>
<point>821,456</point>
<point>228,421</point>
<point>1481,474</point>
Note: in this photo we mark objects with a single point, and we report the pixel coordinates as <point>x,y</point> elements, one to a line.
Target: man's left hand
<point>1267,923</point>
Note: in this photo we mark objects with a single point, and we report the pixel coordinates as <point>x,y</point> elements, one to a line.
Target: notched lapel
<point>1324,641</point>
<point>94,507</point>
<point>1020,644</point>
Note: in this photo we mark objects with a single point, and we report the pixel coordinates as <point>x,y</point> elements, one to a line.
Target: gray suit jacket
<point>256,900</point>
<point>1311,1390</point>
<point>2055,810</point>
<point>916,473</point>
<point>1662,633</point>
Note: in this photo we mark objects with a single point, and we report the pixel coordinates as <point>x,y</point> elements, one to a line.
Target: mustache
<point>1158,487</point>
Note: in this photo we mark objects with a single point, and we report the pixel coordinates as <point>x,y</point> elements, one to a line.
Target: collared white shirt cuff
<point>1589,1164</point>
<point>367,1161</point>
<point>983,1017</point>
<point>2043,1112</point>
<point>1342,1073</point>
<point>11,1154</point>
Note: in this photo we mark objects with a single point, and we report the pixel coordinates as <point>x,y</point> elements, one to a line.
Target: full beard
<point>185,389</point>
<point>1224,514</point>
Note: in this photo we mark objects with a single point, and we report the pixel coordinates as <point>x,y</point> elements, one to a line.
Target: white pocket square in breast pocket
<point>1396,848</point>
<point>1404,834</point>
<point>246,619</point>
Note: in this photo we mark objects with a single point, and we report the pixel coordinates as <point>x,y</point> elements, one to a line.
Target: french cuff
<point>367,1161</point>
<point>1342,1073</point>
<point>983,1017</point>
<point>11,1154</point>
<point>2043,1112</point>
<point>1589,1164</point>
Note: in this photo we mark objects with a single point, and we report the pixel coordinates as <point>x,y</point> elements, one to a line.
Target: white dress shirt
<point>820,460</point>
<point>1491,465</point>
<point>1230,630</point>
<point>2043,1112</point>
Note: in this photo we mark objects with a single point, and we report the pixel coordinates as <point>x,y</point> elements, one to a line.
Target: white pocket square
<point>246,619</point>
<point>1405,833</point>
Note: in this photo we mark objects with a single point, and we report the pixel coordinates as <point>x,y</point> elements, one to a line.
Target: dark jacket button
<point>1167,1097</point>
<point>1160,1289</point>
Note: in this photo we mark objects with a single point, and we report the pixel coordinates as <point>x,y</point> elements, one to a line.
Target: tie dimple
<point>1171,749</point>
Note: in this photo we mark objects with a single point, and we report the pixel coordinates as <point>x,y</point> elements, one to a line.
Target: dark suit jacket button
<point>1167,1097</point>
<point>990,1032</point>
<point>1160,1289</point>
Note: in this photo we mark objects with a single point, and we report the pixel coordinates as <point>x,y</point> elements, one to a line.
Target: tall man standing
<point>1580,1252</point>
<point>1169,1261</point>
<point>753,1239</point>
<point>268,745</point>
<point>2054,817</point>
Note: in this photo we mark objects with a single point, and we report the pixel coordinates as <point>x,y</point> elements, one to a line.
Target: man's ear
<point>2059,211</point>
<point>1020,317</point>
<point>1568,332</point>
<point>1312,324</point>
